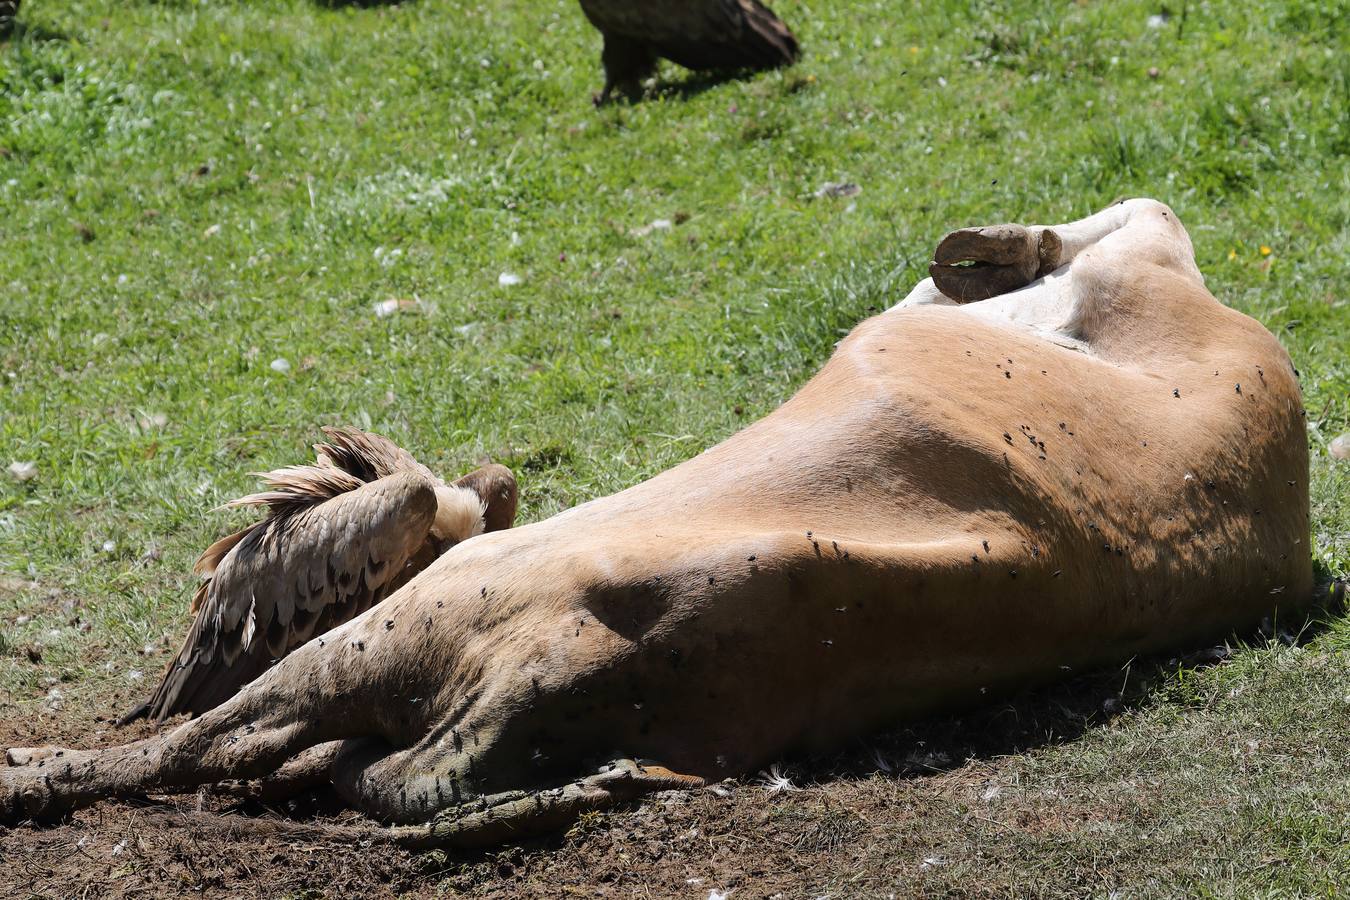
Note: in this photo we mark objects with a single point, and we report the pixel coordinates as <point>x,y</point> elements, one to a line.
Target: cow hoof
<point>27,756</point>
<point>974,264</point>
<point>27,796</point>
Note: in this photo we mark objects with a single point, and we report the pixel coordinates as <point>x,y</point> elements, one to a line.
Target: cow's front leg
<point>298,704</point>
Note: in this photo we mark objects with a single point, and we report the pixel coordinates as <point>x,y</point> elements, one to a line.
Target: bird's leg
<point>627,63</point>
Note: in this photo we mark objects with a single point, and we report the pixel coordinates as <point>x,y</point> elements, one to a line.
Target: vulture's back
<point>699,34</point>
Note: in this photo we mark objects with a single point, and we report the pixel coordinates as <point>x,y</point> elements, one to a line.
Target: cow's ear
<point>496,486</point>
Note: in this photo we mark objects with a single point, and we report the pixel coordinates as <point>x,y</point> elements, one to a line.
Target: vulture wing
<point>698,34</point>
<point>339,536</point>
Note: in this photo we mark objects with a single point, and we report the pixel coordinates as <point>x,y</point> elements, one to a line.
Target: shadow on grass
<point>18,31</point>
<point>356,4</point>
<point>1056,713</point>
<point>695,83</point>
<point>690,86</point>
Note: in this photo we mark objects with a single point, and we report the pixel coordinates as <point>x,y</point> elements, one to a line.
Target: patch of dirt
<point>830,823</point>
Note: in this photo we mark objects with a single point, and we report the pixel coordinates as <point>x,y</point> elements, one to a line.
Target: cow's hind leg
<point>973,264</point>
<point>402,787</point>
<point>436,788</point>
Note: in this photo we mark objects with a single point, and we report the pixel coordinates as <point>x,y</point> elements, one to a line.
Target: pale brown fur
<point>957,501</point>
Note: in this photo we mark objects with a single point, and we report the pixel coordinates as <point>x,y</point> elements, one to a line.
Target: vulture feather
<point>697,34</point>
<point>339,536</point>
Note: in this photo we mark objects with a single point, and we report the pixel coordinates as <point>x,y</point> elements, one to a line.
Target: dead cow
<point>1093,459</point>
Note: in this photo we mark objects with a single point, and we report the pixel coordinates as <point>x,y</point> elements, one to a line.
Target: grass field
<point>191,191</point>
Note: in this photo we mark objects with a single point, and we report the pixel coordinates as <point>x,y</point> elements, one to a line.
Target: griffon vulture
<point>697,34</point>
<point>339,536</point>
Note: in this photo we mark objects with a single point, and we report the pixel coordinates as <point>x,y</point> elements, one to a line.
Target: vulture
<point>697,34</point>
<point>338,537</point>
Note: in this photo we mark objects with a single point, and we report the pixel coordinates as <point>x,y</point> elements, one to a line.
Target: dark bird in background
<point>339,536</point>
<point>697,34</point>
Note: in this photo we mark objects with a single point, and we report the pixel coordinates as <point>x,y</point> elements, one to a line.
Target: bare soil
<point>846,825</point>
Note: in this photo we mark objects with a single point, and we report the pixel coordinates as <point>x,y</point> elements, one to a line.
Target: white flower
<point>211,232</point>
<point>507,279</point>
<point>281,364</point>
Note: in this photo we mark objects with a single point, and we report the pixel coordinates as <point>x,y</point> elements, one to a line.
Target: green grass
<point>189,191</point>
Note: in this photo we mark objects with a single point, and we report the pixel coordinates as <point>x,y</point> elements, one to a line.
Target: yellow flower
<point>1265,251</point>
<point>1232,255</point>
<point>914,50</point>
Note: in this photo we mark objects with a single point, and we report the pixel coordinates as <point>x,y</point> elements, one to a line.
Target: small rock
<point>1339,447</point>
<point>109,546</point>
<point>838,189</point>
<point>654,225</point>
<point>281,364</point>
<point>211,232</point>
<point>23,471</point>
<point>390,307</point>
<point>1154,72</point>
